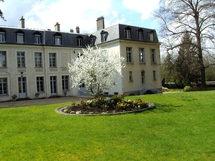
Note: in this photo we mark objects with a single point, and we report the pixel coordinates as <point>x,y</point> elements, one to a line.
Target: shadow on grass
<point>165,107</point>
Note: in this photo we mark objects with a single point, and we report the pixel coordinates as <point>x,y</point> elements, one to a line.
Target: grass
<point>181,127</point>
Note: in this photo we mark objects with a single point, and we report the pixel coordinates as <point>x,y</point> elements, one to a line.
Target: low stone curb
<point>150,106</point>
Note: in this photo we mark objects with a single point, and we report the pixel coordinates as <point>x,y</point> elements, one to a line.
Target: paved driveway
<point>39,101</point>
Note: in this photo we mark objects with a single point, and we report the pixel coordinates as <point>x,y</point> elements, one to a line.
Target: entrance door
<point>22,87</point>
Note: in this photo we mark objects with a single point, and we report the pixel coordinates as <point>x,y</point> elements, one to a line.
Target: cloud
<point>44,14</point>
<point>144,7</point>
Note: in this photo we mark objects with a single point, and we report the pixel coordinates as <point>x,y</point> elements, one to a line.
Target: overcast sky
<point>44,14</point>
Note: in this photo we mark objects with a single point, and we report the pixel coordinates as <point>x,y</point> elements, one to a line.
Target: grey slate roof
<point>115,32</point>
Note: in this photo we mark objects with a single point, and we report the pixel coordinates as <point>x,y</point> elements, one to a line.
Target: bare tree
<point>1,13</point>
<point>197,17</point>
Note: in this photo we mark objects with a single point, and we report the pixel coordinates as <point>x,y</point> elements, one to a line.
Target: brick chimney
<point>22,22</point>
<point>77,29</point>
<point>100,23</point>
<point>57,26</point>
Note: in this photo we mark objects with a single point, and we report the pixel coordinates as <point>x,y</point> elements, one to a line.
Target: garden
<point>106,105</point>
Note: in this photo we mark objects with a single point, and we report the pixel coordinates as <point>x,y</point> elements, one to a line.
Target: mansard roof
<point>68,39</point>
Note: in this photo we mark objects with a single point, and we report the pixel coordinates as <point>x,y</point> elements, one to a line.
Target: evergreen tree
<point>167,69</point>
<point>187,69</point>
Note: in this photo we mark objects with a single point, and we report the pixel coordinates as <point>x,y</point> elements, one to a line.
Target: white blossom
<point>95,68</point>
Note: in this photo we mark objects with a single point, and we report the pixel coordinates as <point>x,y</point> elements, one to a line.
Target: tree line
<point>192,22</point>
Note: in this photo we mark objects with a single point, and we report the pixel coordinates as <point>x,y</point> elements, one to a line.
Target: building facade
<point>33,63</point>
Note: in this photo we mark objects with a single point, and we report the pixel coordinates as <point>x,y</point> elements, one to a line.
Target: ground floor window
<point>154,75</point>
<point>130,76</point>
<point>40,84</point>
<point>65,83</point>
<point>53,85</point>
<point>142,76</point>
<point>3,86</point>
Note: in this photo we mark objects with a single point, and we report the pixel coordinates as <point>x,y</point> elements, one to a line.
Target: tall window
<point>52,60</point>
<point>153,56</point>
<point>143,76</point>
<point>2,59</point>
<point>20,37</point>
<point>140,34</point>
<point>154,75</point>
<point>38,59</point>
<point>65,83</point>
<point>130,76</point>
<point>79,40</point>
<point>37,39</point>
<point>21,59</point>
<point>40,84</point>
<point>128,55</point>
<point>53,85</point>
<point>57,40</point>
<point>141,55</point>
<point>127,32</point>
<point>2,37</point>
<point>3,86</point>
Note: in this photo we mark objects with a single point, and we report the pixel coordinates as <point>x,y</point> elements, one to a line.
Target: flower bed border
<point>150,106</point>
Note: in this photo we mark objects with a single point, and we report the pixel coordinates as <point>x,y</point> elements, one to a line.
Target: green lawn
<point>180,128</point>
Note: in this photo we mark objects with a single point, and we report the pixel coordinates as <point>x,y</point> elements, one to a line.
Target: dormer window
<point>140,34</point>
<point>57,39</point>
<point>2,36</point>
<point>151,35</point>
<point>37,38</point>
<point>104,35</point>
<point>92,40</point>
<point>20,37</point>
<point>127,32</point>
<point>79,40</point>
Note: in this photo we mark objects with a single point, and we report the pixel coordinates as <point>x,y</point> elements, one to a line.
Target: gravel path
<point>39,101</point>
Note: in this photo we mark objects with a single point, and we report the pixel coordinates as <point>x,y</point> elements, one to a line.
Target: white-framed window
<point>151,36</point>
<point>140,34</point>
<point>79,41</point>
<point>3,61</point>
<point>2,37</point>
<point>52,60</point>
<point>3,86</point>
<point>53,85</point>
<point>92,40</point>
<point>20,59</point>
<point>154,75</point>
<point>141,55</point>
<point>40,84</point>
<point>153,55</point>
<point>57,40</point>
<point>37,39</point>
<point>65,82</point>
<point>104,36</point>
<point>20,37</point>
<point>38,59</point>
<point>127,33</point>
<point>128,54</point>
<point>130,77</point>
<point>142,76</point>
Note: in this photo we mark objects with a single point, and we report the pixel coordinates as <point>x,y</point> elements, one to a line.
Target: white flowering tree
<point>96,68</point>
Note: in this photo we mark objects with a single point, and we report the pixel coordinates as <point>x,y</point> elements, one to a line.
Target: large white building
<point>35,61</point>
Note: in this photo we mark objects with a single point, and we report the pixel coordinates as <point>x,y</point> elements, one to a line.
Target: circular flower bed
<point>113,105</point>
